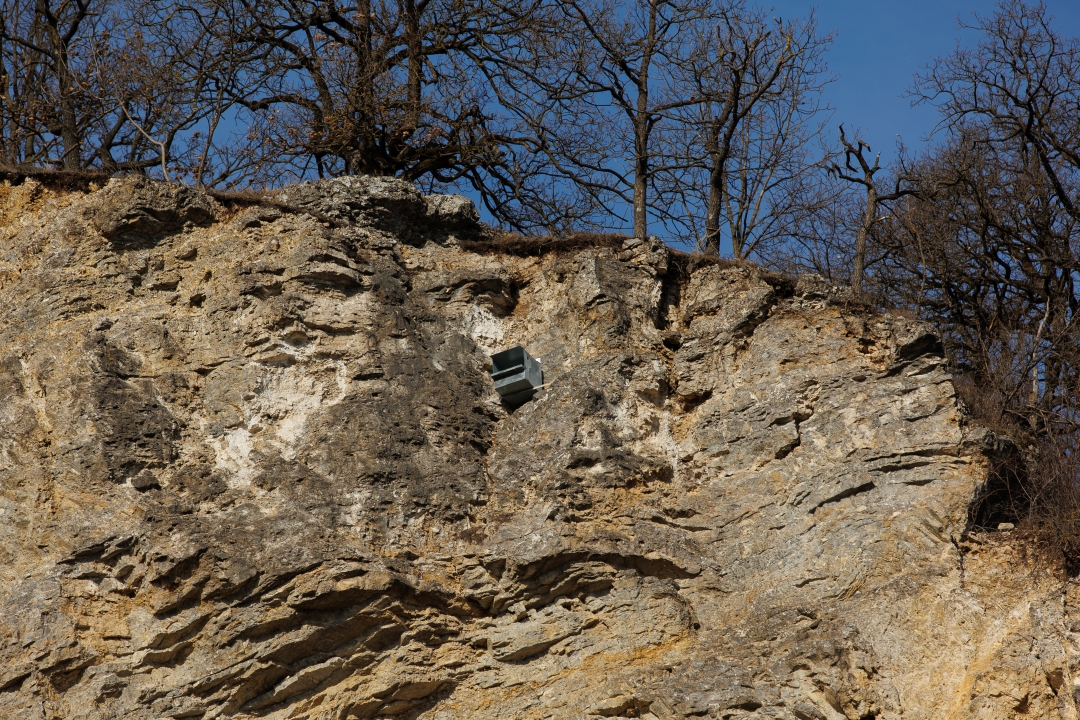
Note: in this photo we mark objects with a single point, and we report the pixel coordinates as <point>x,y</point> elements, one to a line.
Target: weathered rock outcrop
<point>252,466</point>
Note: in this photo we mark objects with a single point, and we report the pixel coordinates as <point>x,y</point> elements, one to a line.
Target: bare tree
<point>632,100</point>
<point>1010,177</point>
<point>858,170</point>
<point>113,87</point>
<point>595,92</point>
<point>44,77</point>
<point>180,85</point>
<point>384,87</point>
<point>555,112</point>
<point>756,85</point>
<point>1019,85</point>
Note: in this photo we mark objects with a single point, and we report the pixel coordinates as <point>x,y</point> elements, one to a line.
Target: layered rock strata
<point>252,466</point>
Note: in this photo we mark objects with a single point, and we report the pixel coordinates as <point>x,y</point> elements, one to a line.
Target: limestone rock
<point>453,210</point>
<point>252,465</point>
<point>139,207</point>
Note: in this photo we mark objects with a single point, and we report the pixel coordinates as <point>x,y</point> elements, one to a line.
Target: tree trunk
<point>360,107</point>
<point>641,131</point>
<point>69,120</point>
<point>641,180</point>
<point>1035,384</point>
<point>861,238</point>
<point>416,61</point>
<point>721,131</point>
<point>712,213</point>
<point>69,133</point>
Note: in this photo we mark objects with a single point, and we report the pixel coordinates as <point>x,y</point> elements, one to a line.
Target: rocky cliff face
<point>252,466</point>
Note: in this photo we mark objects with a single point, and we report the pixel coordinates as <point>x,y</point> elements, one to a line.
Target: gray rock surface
<point>252,466</point>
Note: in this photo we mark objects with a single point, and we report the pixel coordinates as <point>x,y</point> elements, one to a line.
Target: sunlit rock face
<point>252,465</point>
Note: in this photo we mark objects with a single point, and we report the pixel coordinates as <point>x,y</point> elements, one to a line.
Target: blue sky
<point>880,44</point>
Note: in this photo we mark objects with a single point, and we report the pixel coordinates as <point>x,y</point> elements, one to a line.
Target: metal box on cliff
<point>517,375</point>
